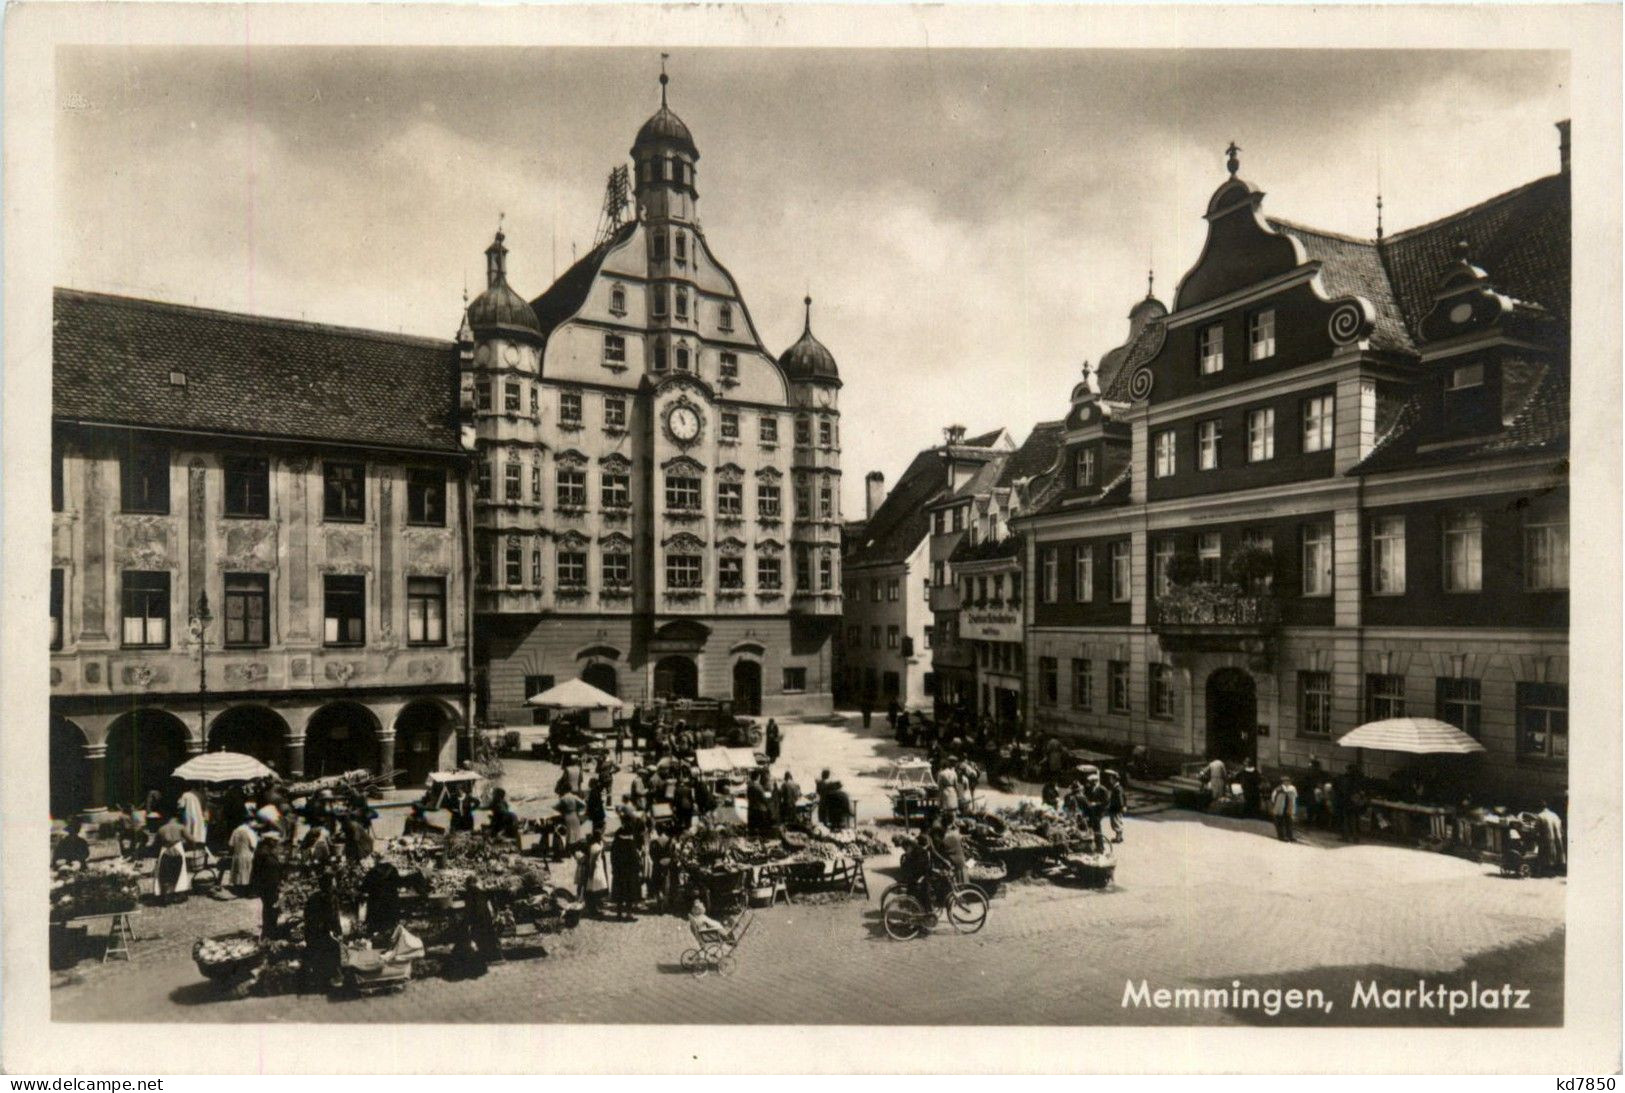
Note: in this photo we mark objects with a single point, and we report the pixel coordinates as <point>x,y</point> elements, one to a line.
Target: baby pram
<point>715,948</point>
<point>1520,849</point>
<point>367,969</point>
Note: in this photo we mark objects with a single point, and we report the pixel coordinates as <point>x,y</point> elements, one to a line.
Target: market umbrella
<point>576,694</point>
<point>222,766</point>
<point>1416,735</point>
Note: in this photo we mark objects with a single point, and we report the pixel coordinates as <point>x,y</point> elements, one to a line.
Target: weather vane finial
<point>664,79</point>
<point>500,217</point>
<point>1150,282</point>
<point>1233,163</point>
<point>1379,216</point>
<point>807,300</point>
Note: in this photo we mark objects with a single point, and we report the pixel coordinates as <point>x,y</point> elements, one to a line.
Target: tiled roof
<point>901,522</point>
<point>1353,267</point>
<point>984,441</point>
<point>1114,388</point>
<point>1055,497</point>
<point>1539,424</point>
<point>1520,238</point>
<point>981,482</point>
<point>1036,454</point>
<point>249,375</point>
<point>986,550</point>
<point>565,296</point>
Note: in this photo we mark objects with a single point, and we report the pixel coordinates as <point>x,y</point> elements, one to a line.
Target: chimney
<point>953,434</point>
<point>874,492</point>
<point>1563,144</point>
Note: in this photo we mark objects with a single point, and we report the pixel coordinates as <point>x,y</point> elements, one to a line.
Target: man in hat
<point>1096,799</point>
<point>1252,787</point>
<point>1116,804</point>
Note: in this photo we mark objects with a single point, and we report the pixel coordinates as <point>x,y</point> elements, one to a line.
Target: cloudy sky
<point>971,224</point>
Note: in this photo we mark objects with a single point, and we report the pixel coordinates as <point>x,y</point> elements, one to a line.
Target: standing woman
<point>570,807</point>
<point>193,818</point>
<point>596,815</point>
<point>591,870</point>
<point>267,880</point>
<point>171,876</point>
<point>774,740</point>
<point>244,841</point>
<point>626,864</point>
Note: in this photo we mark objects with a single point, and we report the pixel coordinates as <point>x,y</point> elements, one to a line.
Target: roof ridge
<point>1294,225</point>
<point>1495,199</point>
<point>147,303</point>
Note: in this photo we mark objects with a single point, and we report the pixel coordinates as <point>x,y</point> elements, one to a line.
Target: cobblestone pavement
<point>1200,902</point>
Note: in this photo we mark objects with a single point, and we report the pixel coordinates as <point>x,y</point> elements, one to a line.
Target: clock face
<point>511,354</point>
<point>683,422</point>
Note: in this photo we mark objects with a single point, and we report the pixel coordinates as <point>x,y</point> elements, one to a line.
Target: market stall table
<point>1403,813</point>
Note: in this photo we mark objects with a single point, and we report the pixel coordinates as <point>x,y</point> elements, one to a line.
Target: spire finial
<point>664,79</point>
<point>1232,163</point>
<point>1379,216</point>
<point>807,325</point>
<point>1150,283</point>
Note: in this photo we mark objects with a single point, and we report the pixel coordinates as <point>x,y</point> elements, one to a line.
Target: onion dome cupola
<point>807,361</point>
<point>664,155</point>
<point>499,310</point>
<point>1147,309</point>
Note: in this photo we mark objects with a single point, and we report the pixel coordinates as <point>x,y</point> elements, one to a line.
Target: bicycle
<point>906,917</point>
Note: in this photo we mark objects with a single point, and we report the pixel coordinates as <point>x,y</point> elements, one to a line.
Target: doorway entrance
<point>602,676</point>
<point>747,687</point>
<point>418,731</point>
<point>341,737</point>
<point>1232,715</point>
<point>677,677</point>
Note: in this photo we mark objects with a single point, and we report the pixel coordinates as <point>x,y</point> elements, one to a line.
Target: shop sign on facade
<point>979,624</point>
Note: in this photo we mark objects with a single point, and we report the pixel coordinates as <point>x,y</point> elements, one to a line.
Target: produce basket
<point>228,957</point>
<point>103,889</point>
<point>1018,861</point>
<point>1091,870</point>
<point>987,875</point>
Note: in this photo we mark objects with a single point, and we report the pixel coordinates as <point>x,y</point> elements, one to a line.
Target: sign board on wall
<point>982,624</point>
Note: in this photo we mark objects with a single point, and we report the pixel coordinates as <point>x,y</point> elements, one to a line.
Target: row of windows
<point>246,488</point>
<point>1260,342</point>
<point>1542,717</point>
<point>683,571</point>
<point>952,519</point>
<point>144,598</point>
<point>1317,419</point>
<point>985,590</point>
<point>1542,709</point>
<point>894,637</point>
<point>1083,573</point>
<point>1545,553</point>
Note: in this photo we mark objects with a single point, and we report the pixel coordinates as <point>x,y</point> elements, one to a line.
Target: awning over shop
<point>723,760</point>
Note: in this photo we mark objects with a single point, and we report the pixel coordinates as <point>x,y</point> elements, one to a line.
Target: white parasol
<point>222,766</point>
<point>576,694</point>
<point>1416,735</point>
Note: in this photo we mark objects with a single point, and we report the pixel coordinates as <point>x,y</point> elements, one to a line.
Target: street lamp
<point>198,625</point>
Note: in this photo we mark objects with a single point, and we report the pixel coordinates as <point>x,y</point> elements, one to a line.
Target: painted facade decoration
<point>657,497</point>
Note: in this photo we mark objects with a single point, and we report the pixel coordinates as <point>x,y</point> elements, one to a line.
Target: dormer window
<point>1465,376</point>
<point>617,300</point>
<point>1083,467</point>
<point>1212,349</point>
<point>725,317</point>
<point>1261,335</point>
